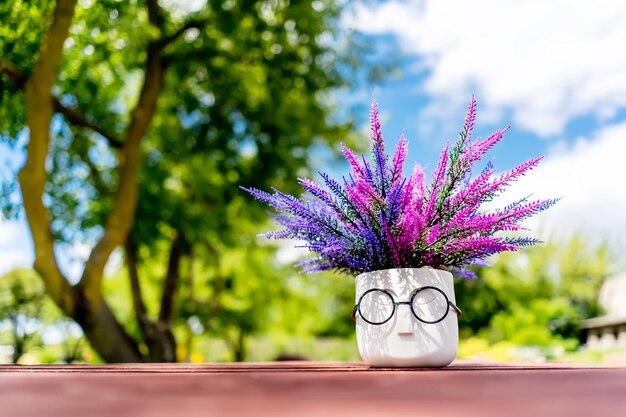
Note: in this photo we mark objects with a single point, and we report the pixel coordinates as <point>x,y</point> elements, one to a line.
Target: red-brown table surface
<point>304,389</point>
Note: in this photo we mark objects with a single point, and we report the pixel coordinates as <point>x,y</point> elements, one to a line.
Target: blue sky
<point>554,71</point>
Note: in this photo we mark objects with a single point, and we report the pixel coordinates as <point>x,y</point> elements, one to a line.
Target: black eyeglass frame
<point>450,304</point>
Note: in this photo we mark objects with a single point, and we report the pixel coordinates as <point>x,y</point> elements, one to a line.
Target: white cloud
<point>545,61</point>
<point>589,176</point>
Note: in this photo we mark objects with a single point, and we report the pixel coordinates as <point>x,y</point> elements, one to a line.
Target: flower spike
<point>378,219</point>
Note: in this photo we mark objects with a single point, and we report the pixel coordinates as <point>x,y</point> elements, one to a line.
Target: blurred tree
<point>142,118</point>
<point>537,296</point>
<point>29,312</point>
<point>22,298</point>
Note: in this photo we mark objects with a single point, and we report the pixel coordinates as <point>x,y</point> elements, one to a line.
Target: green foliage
<point>246,108</point>
<point>21,293</point>
<point>19,41</point>
<point>537,297</point>
<point>246,93</point>
<point>543,322</point>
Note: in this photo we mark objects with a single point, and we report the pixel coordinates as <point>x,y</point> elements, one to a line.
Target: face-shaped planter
<point>406,317</point>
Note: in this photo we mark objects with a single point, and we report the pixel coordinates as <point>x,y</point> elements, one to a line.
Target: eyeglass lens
<point>376,306</point>
<point>430,305</point>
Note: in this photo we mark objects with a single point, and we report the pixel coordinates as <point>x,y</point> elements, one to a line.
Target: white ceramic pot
<point>415,317</point>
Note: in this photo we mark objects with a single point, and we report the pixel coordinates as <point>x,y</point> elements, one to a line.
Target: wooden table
<point>303,389</point>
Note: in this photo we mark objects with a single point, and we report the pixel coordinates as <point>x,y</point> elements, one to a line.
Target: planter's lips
<point>438,268</point>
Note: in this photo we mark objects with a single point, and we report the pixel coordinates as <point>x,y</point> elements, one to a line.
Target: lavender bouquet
<point>378,219</point>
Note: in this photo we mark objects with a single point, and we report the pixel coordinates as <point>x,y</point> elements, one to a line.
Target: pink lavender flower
<point>378,219</point>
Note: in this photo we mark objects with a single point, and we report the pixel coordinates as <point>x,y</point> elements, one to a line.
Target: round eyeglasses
<point>428,304</point>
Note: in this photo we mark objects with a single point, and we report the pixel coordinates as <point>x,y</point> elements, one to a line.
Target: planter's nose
<point>404,323</point>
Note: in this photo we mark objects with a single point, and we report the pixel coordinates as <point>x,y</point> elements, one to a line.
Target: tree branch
<point>32,177</point>
<point>121,216</point>
<point>190,24</point>
<point>140,308</point>
<point>154,15</point>
<point>12,71</point>
<point>101,186</point>
<point>72,115</point>
<point>171,279</point>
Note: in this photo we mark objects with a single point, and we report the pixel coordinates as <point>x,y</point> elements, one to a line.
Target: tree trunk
<point>158,335</point>
<point>238,346</point>
<point>18,341</point>
<point>161,343</point>
<point>83,303</point>
<point>103,330</point>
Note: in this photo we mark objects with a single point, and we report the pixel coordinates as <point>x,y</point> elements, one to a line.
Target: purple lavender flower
<point>378,219</point>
